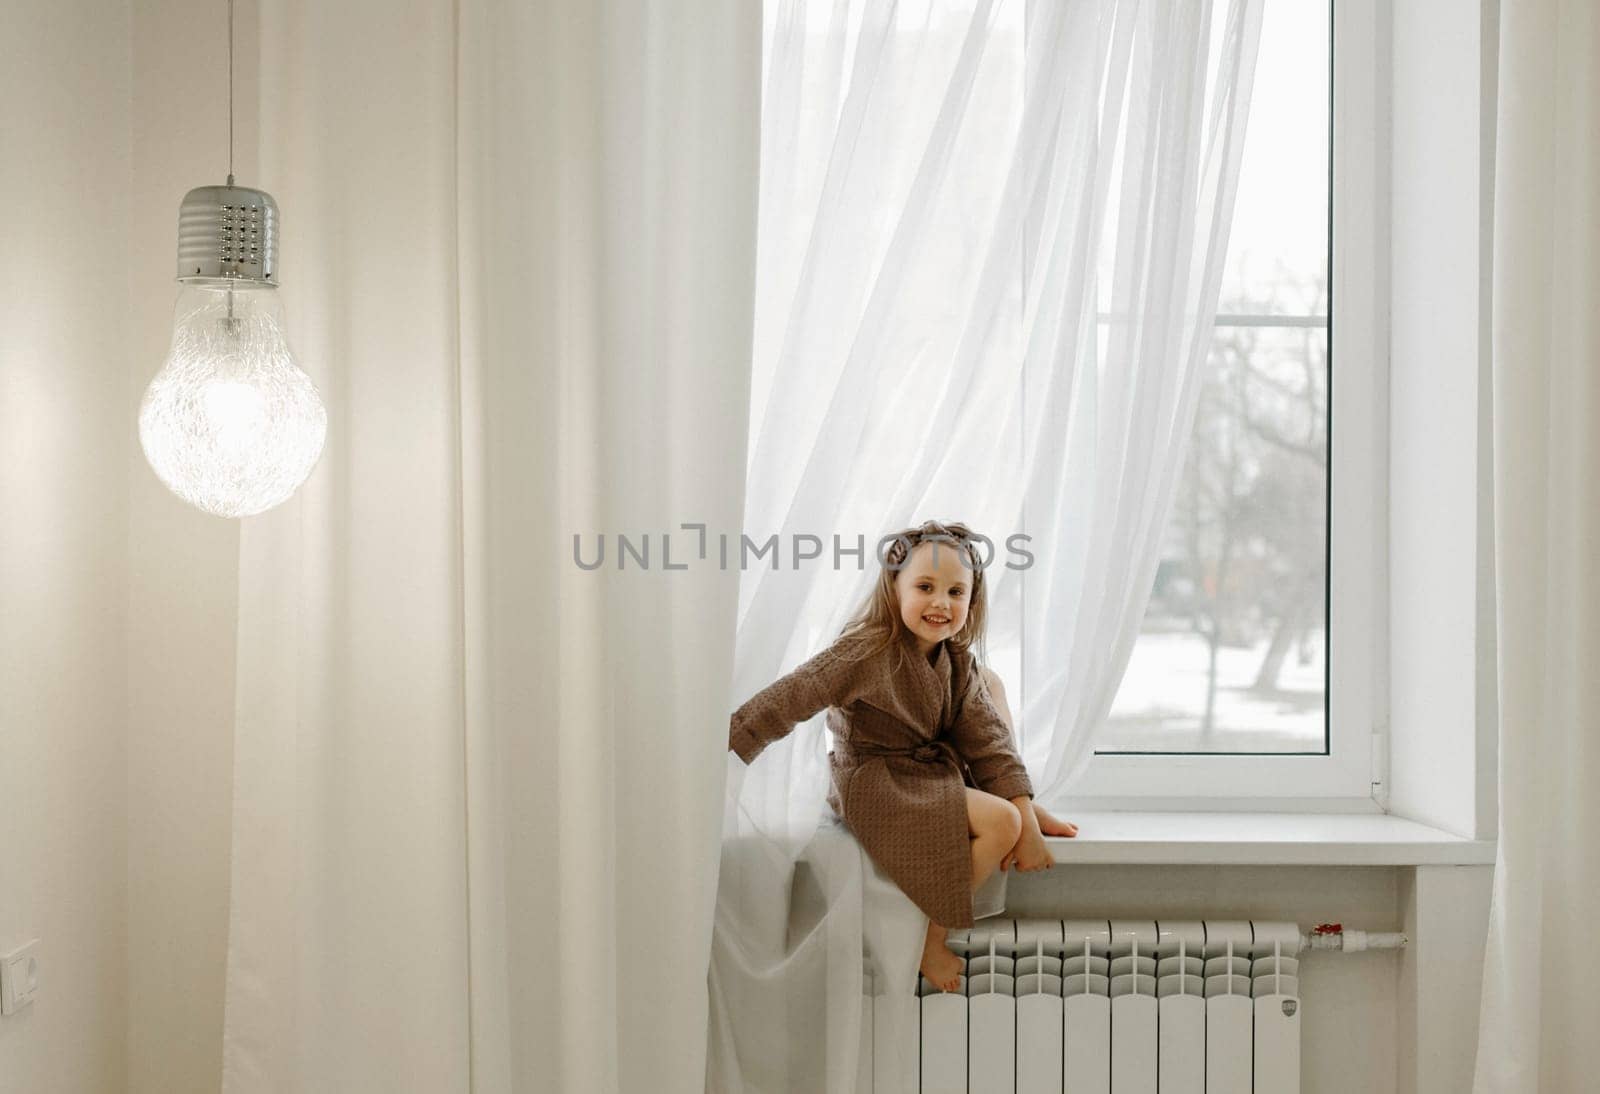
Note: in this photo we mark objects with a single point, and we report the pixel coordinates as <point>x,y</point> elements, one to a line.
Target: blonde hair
<point>877,625</point>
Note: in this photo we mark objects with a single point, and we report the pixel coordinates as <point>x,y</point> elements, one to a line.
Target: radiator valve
<point>1333,936</point>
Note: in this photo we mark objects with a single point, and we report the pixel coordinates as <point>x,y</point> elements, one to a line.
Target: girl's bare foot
<point>1049,826</point>
<point>940,964</point>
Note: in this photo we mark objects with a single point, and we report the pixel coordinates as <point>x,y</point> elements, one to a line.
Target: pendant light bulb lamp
<point>230,424</point>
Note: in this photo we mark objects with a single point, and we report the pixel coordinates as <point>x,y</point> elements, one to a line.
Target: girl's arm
<point>984,741</point>
<point>830,679</point>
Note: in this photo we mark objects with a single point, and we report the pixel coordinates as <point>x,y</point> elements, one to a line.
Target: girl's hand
<point>1030,853</point>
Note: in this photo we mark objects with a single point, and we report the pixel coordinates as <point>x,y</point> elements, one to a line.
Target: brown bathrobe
<point>908,737</point>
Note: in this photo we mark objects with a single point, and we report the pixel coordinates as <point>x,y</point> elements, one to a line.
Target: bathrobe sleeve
<point>830,679</point>
<point>984,741</point>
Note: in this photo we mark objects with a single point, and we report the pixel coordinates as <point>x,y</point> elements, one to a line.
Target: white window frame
<point>1350,777</point>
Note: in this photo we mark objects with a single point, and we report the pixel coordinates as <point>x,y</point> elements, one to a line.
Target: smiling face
<point>934,589</point>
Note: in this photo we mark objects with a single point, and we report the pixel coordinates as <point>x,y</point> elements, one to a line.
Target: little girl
<point>924,772</point>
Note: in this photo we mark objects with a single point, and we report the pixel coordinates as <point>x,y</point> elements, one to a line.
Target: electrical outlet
<point>19,978</point>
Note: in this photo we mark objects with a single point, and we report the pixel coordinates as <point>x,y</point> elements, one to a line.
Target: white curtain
<point>991,239</point>
<point>1540,1009</point>
<point>476,786</point>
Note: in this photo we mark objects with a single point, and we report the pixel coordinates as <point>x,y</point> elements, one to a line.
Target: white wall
<point>64,434</point>
<point>117,601</point>
<point>1442,691</point>
<point>1441,576</point>
<point>1446,910</point>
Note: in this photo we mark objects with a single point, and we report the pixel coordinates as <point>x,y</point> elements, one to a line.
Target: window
<point>1242,684</point>
<point>1258,665</point>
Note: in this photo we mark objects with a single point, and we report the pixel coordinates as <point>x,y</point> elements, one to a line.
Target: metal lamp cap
<point>228,233</point>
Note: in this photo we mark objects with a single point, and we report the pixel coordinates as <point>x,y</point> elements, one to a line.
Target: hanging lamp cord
<point>232,323</point>
<point>230,92</point>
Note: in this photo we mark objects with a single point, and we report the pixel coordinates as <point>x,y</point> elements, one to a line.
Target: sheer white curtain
<point>476,787</point>
<point>1540,1010</point>
<point>991,239</point>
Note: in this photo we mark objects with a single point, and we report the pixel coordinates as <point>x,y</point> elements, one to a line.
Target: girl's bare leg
<point>994,824</point>
<point>940,964</point>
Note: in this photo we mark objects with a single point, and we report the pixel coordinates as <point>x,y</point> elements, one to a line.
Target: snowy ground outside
<point>1163,695</point>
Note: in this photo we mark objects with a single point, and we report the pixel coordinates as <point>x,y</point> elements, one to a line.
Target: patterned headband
<point>905,542</point>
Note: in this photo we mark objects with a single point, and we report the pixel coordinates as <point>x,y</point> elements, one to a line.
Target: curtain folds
<point>476,786</point>
<point>1539,1009</point>
<point>990,246</point>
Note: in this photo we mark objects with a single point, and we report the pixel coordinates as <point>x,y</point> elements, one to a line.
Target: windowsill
<point>1263,839</point>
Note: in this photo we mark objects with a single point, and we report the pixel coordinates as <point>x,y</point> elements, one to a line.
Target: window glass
<point>1232,655</point>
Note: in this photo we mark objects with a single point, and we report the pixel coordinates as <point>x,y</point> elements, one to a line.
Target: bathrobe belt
<point>929,752</point>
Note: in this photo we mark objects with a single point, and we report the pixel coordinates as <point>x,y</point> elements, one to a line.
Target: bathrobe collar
<point>935,674</point>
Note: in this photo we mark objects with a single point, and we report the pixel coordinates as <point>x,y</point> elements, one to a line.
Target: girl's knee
<point>1013,820</point>
<point>992,817</point>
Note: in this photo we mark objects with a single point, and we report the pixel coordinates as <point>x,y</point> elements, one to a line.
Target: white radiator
<point>1116,1007</point>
